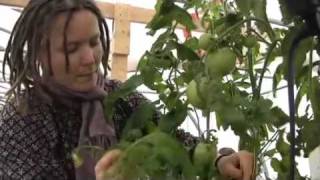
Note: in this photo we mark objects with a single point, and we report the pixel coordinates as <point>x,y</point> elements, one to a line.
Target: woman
<point>54,105</point>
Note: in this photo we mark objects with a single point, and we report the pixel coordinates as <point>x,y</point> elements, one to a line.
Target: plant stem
<point>272,46</point>
<point>226,32</point>
<point>274,136</point>
<point>259,36</point>
<point>310,66</point>
<point>208,125</point>
<point>251,74</point>
<point>195,121</point>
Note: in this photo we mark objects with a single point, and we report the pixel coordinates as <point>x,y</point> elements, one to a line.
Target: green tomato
<point>220,62</point>
<point>250,41</point>
<point>194,96</point>
<point>203,157</point>
<point>205,41</point>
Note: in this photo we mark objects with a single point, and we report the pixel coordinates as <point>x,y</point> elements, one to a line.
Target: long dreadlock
<point>30,31</point>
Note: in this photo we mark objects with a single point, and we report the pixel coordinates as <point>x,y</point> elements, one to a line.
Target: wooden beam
<point>121,31</point>
<point>120,42</point>
<point>136,14</point>
<point>140,15</point>
<point>18,3</point>
<point>106,8</point>
<point>119,67</point>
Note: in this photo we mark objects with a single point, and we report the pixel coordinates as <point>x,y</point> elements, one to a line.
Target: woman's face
<point>83,49</point>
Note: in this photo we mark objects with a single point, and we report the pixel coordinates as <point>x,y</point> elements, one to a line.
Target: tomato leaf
<point>167,12</point>
<point>144,114</point>
<point>174,117</point>
<point>163,152</point>
<point>280,118</point>
<point>244,6</point>
<point>310,130</point>
<point>286,15</point>
<point>125,89</point>
<point>314,95</point>
<point>259,10</point>
<point>185,53</point>
<point>300,55</point>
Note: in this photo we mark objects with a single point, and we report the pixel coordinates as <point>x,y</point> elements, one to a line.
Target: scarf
<point>95,130</point>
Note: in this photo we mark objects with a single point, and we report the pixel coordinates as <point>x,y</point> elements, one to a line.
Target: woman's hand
<point>237,166</point>
<point>106,162</point>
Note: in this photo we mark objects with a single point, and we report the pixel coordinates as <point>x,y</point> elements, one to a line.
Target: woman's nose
<point>87,56</point>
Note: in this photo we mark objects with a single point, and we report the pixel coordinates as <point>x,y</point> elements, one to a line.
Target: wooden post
<point>120,42</point>
<point>19,3</point>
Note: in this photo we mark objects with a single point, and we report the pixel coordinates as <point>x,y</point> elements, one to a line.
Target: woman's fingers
<point>229,167</point>
<point>246,164</point>
<point>238,166</point>
<point>232,172</point>
<point>106,162</point>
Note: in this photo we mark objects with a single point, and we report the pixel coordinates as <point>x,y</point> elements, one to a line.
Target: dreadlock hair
<point>30,32</point>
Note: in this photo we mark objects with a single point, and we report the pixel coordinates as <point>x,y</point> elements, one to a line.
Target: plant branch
<point>226,32</point>
<point>208,125</point>
<point>195,122</point>
<point>273,138</point>
<point>251,73</point>
<point>262,39</point>
<point>272,46</point>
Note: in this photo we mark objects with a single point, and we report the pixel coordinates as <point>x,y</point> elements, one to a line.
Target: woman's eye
<point>71,49</point>
<point>94,42</point>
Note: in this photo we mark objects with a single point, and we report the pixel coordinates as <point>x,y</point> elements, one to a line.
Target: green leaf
<point>276,165</point>
<point>245,6</point>
<point>186,53</point>
<point>277,77</point>
<point>192,69</point>
<point>282,146</point>
<point>262,112</point>
<point>286,15</point>
<point>233,117</point>
<point>183,17</point>
<point>179,81</point>
<point>191,43</point>
<point>300,54</point>
<point>302,91</point>
<point>160,62</point>
<point>280,118</point>
<point>270,152</point>
<point>170,121</point>
<point>150,77</point>
<point>314,95</point>
<point>161,41</point>
<point>139,119</point>
<point>243,84</point>
<point>259,10</point>
<point>309,132</point>
<point>164,153</point>
<point>168,13</point>
<point>125,89</point>
<point>159,20</point>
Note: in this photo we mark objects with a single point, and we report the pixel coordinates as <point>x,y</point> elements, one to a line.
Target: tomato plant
<point>220,74</point>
